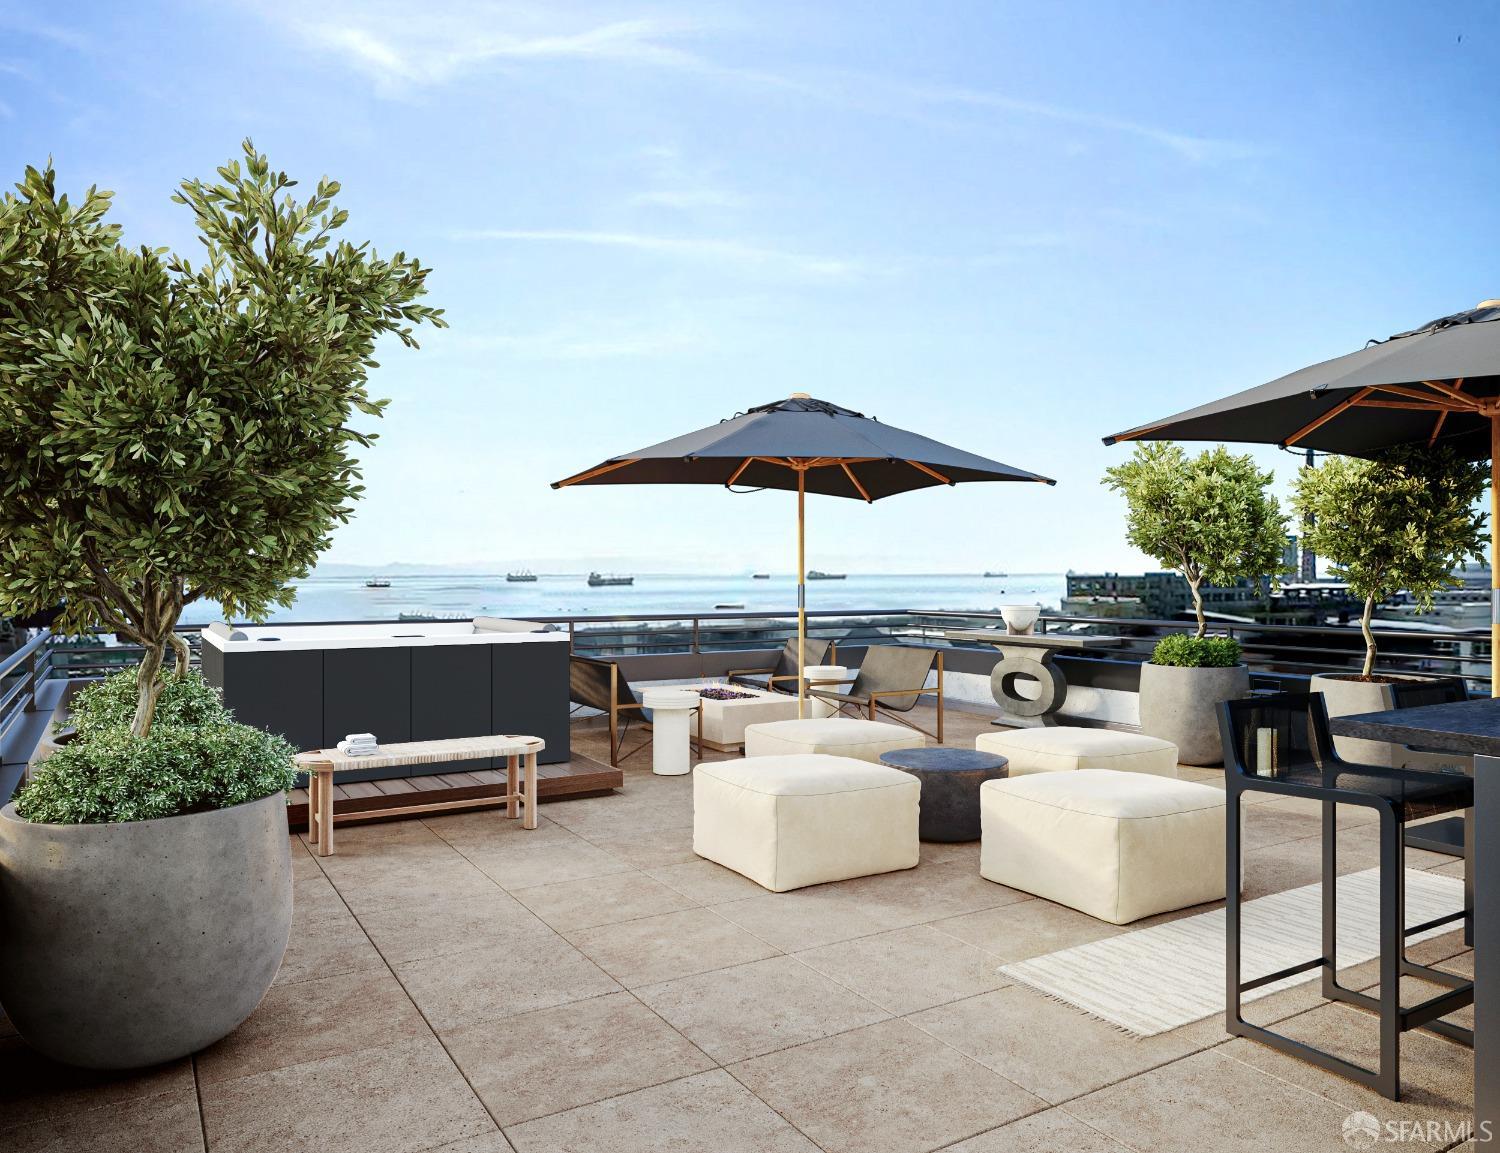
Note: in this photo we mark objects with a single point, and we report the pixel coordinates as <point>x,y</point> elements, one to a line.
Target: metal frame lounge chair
<point>602,685</point>
<point>785,669</point>
<point>891,679</point>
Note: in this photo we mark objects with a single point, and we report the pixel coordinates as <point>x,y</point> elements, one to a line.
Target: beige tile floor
<point>460,985</point>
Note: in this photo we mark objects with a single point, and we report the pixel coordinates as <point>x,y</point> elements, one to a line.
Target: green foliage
<point>1404,520</point>
<point>117,776</point>
<point>1209,517</point>
<point>177,430</point>
<point>110,704</point>
<point>1194,652</point>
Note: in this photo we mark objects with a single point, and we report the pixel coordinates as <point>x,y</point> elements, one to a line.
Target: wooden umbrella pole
<point>801,589</point>
<point>1494,549</point>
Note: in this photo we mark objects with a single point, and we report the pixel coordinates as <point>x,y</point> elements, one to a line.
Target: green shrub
<point>1187,651</point>
<point>196,758</point>
<point>114,776</point>
<point>110,703</point>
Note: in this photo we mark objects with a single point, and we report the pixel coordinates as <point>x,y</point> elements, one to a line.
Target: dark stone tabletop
<point>941,758</point>
<point>1458,727</point>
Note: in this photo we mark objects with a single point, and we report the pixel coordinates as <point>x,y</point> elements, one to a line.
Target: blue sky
<point>1013,226</point>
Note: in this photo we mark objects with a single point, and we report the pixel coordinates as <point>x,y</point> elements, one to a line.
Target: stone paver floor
<point>460,985</point>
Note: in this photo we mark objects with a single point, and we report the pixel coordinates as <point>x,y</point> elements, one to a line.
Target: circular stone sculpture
<point>950,787</point>
<point>126,945</point>
<point>1181,705</point>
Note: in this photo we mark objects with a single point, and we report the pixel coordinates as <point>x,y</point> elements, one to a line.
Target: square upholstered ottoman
<point>1117,846</point>
<point>788,822</point>
<point>1063,749</point>
<point>837,736</point>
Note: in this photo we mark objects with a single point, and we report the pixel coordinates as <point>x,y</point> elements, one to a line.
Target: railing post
<point>31,681</point>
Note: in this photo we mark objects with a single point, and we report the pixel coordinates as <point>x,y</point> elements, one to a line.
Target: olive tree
<point>174,429</point>
<point>1405,520</point>
<point>1209,516</point>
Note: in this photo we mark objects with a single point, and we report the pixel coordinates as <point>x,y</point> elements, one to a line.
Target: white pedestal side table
<point>671,711</point>
<point>826,677</point>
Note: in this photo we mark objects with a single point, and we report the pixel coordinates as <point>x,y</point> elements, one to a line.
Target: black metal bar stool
<point>1281,744</point>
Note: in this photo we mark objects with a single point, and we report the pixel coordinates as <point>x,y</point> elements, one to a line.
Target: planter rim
<point>9,813</point>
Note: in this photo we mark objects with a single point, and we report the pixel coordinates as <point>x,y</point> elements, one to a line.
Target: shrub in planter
<point>1189,652</point>
<point>195,759</point>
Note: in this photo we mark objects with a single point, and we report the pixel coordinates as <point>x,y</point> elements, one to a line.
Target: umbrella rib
<point>932,472</point>
<point>1313,425</point>
<point>1453,390</point>
<point>590,474</point>
<point>1437,427</point>
<point>1456,400</point>
<point>744,464</point>
<point>1416,405</point>
<point>854,480</point>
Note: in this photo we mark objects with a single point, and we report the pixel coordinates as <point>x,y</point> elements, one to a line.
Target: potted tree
<point>1402,521</point>
<point>174,432</point>
<point>1209,518</point>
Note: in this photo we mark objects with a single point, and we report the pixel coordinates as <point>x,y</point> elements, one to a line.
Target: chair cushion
<point>1056,750</point>
<point>1118,846</point>
<point>787,822</point>
<point>840,736</point>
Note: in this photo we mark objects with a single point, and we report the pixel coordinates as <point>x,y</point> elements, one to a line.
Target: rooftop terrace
<point>457,984</point>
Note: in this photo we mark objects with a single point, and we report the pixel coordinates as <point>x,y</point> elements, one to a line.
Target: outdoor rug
<point>1159,978</point>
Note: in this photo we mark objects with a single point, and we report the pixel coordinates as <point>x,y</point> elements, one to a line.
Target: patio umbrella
<point>802,445</point>
<point>1437,384</point>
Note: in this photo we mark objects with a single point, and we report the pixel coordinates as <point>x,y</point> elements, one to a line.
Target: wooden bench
<point>520,797</point>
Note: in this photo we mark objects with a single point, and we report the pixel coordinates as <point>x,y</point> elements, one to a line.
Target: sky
<point>1015,227</point>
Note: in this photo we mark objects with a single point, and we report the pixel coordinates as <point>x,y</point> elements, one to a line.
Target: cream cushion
<point>1117,846</point>
<point>839,736</point>
<point>787,822</point>
<point>1058,750</point>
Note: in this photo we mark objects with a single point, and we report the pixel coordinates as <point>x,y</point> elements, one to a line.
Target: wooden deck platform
<point>366,800</point>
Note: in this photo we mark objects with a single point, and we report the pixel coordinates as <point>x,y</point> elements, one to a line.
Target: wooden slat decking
<point>364,800</point>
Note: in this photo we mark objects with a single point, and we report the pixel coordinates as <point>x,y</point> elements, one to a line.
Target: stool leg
<point>1330,895</point>
<point>512,783</point>
<point>325,814</point>
<point>1232,881</point>
<point>530,819</point>
<point>312,808</point>
<point>1392,948</point>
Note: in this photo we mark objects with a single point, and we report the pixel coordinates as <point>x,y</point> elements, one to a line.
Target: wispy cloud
<point>596,339</point>
<point>24,23</point>
<point>680,185</point>
<point>731,252</point>
<point>401,47</point>
<point>1198,149</point>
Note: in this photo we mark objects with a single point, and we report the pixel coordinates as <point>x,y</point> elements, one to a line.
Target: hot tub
<point>412,681</point>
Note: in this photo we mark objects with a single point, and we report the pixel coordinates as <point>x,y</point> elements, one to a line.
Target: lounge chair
<point>891,678</point>
<point>782,676</point>
<point>602,685</point>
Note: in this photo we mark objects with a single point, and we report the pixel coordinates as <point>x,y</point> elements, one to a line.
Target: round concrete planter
<point>1181,705</point>
<point>1342,697</point>
<point>131,944</point>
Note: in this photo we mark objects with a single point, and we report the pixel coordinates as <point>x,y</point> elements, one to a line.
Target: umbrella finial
<point>1493,302</point>
<point>808,395</point>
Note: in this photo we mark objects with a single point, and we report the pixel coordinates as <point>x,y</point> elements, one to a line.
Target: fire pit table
<point>727,709</point>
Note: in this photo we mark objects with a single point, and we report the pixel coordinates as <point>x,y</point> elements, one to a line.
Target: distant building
<point>1156,595</point>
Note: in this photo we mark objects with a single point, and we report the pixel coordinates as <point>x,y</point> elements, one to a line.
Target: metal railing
<point>1291,649</point>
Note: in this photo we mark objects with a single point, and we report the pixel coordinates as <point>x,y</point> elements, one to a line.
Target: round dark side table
<point>950,787</point>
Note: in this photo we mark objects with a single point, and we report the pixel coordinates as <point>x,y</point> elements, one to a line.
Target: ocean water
<point>347,598</point>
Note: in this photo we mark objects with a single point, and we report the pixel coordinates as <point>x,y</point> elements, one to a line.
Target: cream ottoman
<point>1057,750</point>
<point>1117,846</point>
<point>839,736</point>
<point>787,822</point>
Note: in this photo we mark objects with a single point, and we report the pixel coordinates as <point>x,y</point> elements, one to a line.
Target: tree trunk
<point>183,653</point>
<point>1198,607</point>
<point>148,679</point>
<point>1364,627</point>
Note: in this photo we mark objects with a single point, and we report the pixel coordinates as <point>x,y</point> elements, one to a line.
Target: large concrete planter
<point>1181,705</point>
<point>130,944</point>
<point>1343,697</point>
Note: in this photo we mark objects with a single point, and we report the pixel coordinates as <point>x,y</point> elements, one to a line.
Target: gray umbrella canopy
<point>1436,384</point>
<point>803,445</point>
<point>836,451</point>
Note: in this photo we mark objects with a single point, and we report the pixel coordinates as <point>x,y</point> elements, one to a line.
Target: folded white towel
<point>359,745</point>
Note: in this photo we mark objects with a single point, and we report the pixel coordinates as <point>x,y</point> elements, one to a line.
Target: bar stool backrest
<point>1436,691</point>
<point>1284,735</point>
